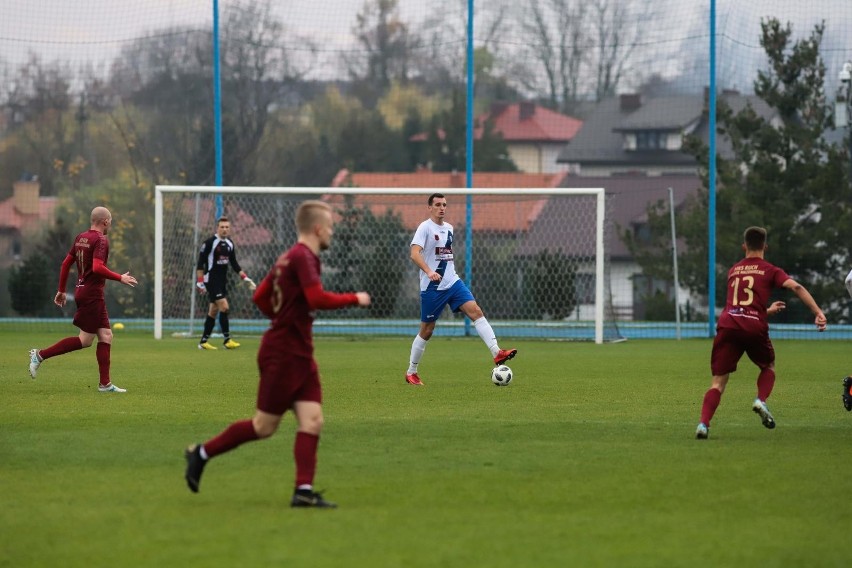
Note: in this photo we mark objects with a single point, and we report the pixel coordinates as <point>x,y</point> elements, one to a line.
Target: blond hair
<point>309,214</point>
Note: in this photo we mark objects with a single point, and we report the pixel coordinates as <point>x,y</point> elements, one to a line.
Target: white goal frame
<point>600,219</point>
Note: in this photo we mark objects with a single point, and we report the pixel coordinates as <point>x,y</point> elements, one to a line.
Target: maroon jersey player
<point>742,326</point>
<point>89,252</point>
<point>289,379</point>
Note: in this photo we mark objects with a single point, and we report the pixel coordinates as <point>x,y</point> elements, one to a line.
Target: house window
<point>650,140</point>
<point>642,232</point>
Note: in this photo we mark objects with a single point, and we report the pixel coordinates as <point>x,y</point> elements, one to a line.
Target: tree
<point>387,43</point>
<point>166,121</point>
<point>30,287</point>
<point>441,59</point>
<point>783,175</point>
<point>39,103</point>
<point>572,43</point>
<point>559,50</point>
<point>360,260</point>
<point>617,29</point>
<point>445,146</point>
<point>549,280</point>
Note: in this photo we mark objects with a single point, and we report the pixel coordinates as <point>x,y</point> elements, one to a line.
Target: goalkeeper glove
<point>250,282</point>
<point>200,284</point>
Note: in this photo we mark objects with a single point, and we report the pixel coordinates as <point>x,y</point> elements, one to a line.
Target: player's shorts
<point>730,344</point>
<point>285,379</point>
<point>432,302</point>
<point>216,291</point>
<point>91,315</point>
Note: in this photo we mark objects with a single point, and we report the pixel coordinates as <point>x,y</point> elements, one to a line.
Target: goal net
<point>535,259</point>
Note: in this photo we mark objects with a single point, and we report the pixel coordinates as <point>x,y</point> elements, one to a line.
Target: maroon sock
<point>234,435</point>
<point>765,382</point>
<point>61,347</point>
<point>102,353</point>
<point>305,452</point>
<point>711,402</point>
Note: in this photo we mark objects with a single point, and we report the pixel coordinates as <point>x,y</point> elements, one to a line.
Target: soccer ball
<point>501,376</point>
<point>118,326</point>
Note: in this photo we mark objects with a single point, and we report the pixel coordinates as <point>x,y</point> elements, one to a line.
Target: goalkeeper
<point>216,254</point>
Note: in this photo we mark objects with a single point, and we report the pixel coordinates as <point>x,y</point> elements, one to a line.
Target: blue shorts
<point>432,302</point>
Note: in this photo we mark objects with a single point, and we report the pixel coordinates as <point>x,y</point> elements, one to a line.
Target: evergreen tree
<point>783,175</point>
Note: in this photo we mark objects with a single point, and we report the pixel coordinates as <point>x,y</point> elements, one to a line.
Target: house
<point>534,134</point>
<point>627,204</point>
<point>25,213</point>
<point>545,223</point>
<point>631,135</point>
<point>628,199</point>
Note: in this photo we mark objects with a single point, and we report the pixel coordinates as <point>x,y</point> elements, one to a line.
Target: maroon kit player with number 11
<point>742,327</point>
<point>90,252</point>
<point>289,379</point>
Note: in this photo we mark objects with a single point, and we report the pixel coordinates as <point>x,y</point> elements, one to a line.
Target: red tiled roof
<point>446,180</point>
<point>540,125</point>
<point>510,212</point>
<point>11,218</point>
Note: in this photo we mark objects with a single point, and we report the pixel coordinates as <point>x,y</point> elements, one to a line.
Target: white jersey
<point>437,243</point>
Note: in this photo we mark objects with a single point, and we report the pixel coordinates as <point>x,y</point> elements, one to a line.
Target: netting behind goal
<point>534,259</point>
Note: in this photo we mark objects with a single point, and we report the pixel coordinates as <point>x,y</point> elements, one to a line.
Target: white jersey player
<point>432,252</point>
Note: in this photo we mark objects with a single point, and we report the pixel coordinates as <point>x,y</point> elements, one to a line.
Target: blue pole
<point>217,107</point>
<point>711,208</point>
<point>468,233</point>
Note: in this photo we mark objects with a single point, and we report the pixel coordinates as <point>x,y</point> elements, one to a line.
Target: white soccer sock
<point>203,453</point>
<point>418,346</point>
<point>483,328</point>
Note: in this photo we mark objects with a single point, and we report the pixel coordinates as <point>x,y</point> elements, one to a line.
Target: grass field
<point>587,459</point>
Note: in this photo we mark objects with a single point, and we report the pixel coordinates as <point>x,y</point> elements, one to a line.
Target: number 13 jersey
<point>750,285</point>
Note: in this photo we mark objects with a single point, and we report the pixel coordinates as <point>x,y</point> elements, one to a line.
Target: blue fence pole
<point>217,107</point>
<point>468,229</point>
<point>711,207</point>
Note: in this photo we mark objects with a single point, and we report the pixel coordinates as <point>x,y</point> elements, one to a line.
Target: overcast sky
<point>94,30</point>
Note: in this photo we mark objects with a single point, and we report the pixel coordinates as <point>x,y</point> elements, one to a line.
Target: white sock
<point>418,346</point>
<point>306,486</point>
<point>203,453</point>
<point>483,328</point>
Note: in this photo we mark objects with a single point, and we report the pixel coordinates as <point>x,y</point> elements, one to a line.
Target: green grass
<point>587,459</point>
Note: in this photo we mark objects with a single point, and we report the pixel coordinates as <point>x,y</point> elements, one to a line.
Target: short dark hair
<point>433,196</point>
<point>223,219</point>
<point>754,238</point>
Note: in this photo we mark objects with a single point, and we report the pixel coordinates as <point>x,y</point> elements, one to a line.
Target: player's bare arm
<point>417,259</point>
<point>808,300</point>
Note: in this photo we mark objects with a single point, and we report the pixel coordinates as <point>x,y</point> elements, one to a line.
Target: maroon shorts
<point>285,379</point>
<point>91,315</point>
<point>730,344</point>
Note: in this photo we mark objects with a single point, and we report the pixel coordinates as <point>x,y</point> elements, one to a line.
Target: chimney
<point>25,195</point>
<point>630,102</point>
<point>526,110</point>
<point>497,108</point>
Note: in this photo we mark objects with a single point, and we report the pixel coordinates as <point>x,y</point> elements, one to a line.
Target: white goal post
<point>537,257</point>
